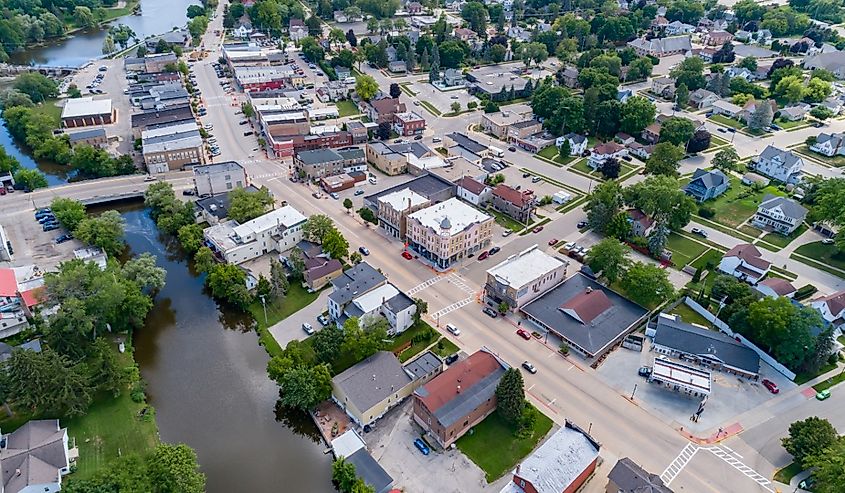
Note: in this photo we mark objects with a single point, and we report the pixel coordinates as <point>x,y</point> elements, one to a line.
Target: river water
<point>207,380</point>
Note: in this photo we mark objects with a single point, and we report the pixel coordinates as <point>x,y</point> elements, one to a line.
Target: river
<point>157,17</point>
<point>208,383</point>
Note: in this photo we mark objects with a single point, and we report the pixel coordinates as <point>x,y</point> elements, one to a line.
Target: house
<point>459,398</point>
<point>703,99</point>
<point>833,104</point>
<point>473,191</point>
<point>752,178</point>
<point>178,37</point>
<point>372,387</point>
<point>708,348</point>
<point>35,457</point>
<point>520,278</point>
<point>385,301</point>
<point>563,463</point>
<point>726,108</point>
<point>780,214</point>
<point>678,27</point>
<point>278,230</point>
<point>319,272</point>
<point>751,106</point>
<point>628,477</point>
<point>392,159</point>
<point>641,151</point>
<point>589,317</point>
<point>624,139</point>
<point>397,67</point>
<point>464,34</point>
<point>641,223</point>
<point>447,232</point>
<point>297,30</point>
<point>660,22</point>
<point>359,279</point>
<point>775,287</point>
<point>86,111</point>
<point>569,76</point>
<point>577,143</point>
<point>623,94</point>
<point>833,62</point>
<point>777,164</point>
<point>605,151</point>
<point>660,47</point>
<point>829,144</point>
<point>717,38</point>
<point>745,262</point>
<point>706,54</point>
<point>333,90</point>
<point>499,123</point>
<point>453,77</point>
<point>213,179</point>
<point>243,31</point>
<point>518,204</point>
<point>663,87</point>
<point>414,8</point>
<point>832,309</point>
<point>319,163</point>
<point>707,184</point>
<point>382,110</point>
<point>795,113</point>
<point>408,123</point>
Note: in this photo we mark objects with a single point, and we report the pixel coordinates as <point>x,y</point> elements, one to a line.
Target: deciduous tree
<point>610,257</point>
<point>647,284</point>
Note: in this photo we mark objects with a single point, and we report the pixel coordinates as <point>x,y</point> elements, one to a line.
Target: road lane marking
<point>457,281</point>
<point>419,287</point>
<point>452,307</point>
<point>677,465</point>
<point>739,466</point>
<point>531,387</point>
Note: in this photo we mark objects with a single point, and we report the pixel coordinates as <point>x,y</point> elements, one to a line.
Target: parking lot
<point>111,86</point>
<point>730,396</point>
<point>33,245</point>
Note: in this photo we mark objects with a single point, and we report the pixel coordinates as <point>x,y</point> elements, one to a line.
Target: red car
<point>537,229</point>
<point>524,334</point>
<point>483,255</point>
<point>552,242</point>
<point>772,386</point>
<point>407,255</point>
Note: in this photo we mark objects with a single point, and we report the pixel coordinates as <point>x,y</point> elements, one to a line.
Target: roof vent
<point>459,389</point>
<point>374,377</point>
<point>589,289</point>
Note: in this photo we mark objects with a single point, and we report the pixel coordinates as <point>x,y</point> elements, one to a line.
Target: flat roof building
<point>173,147</point>
<point>446,232</point>
<point>85,111</point>
<point>278,230</point>
<point>681,378</point>
<point>212,179</point>
<point>430,186</point>
<point>523,277</point>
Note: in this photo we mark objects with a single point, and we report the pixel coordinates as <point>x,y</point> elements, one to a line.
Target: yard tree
<point>682,95</point>
<point>821,113</point>
<point>829,468</point>
<point>366,87</point>
<point>68,212</point>
<point>637,113</point>
<point>304,387</point>
<point>190,237</point>
<point>690,72</point>
<point>808,438</point>
<point>227,283</point>
<point>817,90</point>
<point>107,374</point>
<point>327,343</point>
<point>30,179</point>
<point>762,116</point>
<point>476,16</point>
<point>619,226</point>
<point>263,287</point>
<point>279,284</point>
<point>665,159</point>
<point>726,160</point>
<point>174,468</point>
<point>455,107</point>
<point>534,53</point>
<point>104,231</point>
<point>779,327</point>
<point>362,342</point>
<point>647,284</point>
<point>383,130</point>
<point>725,54</point>
<point>640,69</point>
<point>204,260</point>
<point>749,63</point>
<point>47,383</point>
<point>610,257</point>
<point>422,308</point>
<point>70,331</point>
<point>316,227</point>
<point>677,130</point>
<point>452,53</point>
<point>610,168</point>
<point>498,53</point>
<point>605,202</point>
<point>351,38</point>
<point>657,240</point>
<point>394,90</point>
<point>372,25</point>
<point>143,271</point>
<point>38,87</point>
<point>700,141</point>
<point>510,396</point>
<point>662,199</point>
<point>790,89</point>
<point>246,205</point>
<point>335,244</point>
<point>830,201</point>
<point>347,204</point>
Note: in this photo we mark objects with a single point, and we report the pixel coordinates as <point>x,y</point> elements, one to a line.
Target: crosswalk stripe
<point>678,464</point>
<point>452,307</point>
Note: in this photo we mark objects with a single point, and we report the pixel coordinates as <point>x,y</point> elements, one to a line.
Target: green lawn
<point>728,122</point>
<point>716,141</point>
<point>712,256</point>
<point>550,152</point>
<point>786,474</point>
<point>830,382</point>
<point>786,124</point>
<point>506,221</point>
<point>780,240</point>
<point>50,109</point>
<point>494,448</point>
<point>416,347</point>
<point>690,316</point>
<point>825,254</point>
<point>444,347</point>
<point>684,250</point>
<point>738,203</point>
<point>346,108</point>
<point>430,107</point>
<point>278,310</point>
<point>750,230</point>
<point>803,378</point>
<point>836,161</point>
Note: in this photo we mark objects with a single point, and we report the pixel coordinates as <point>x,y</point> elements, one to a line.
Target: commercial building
<point>382,110</point>
<point>660,47</point>
<point>392,159</point>
<point>431,186</point>
<point>628,477</point>
<point>372,387</point>
<point>172,147</point>
<point>86,111</point>
<point>408,123</point>
<point>708,348</point>
<point>318,163</point>
<point>518,204</point>
<point>523,277</point>
<point>212,209</point>
<point>342,182</point>
<point>394,208</point>
<point>745,262</point>
<point>160,118</point>
<point>499,123</point>
<point>681,378</point>
<point>95,137</point>
<point>224,177</point>
<point>446,232</point>
<point>589,317</point>
<point>35,457</point>
<point>459,398</point>
<point>157,62</point>
<point>278,230</point>
<point>268,78</point>
<point>458,144</point>
<point>562,464</point>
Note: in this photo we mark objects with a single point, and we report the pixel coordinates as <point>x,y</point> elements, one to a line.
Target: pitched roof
<point>466,142</point>
<point>673,333</point>
<point>641,217</point>
<point>587,306</point>
<point>790,208</point>
<point>631,478</point>
<point>748,253</point>
<point>512,195</point>
<point>387,106</point>
<point>372,380</point>
<point>608,148</point>
<point>781,287</point>
<point>709,178</point>
<point>324,268</point>
<point>370,471</point>
<point>835,302</point>
<point>355,281</point>
<point>788,158</point>
<point>37,451</point>
<point>425,364</point>
<point>471,185</point>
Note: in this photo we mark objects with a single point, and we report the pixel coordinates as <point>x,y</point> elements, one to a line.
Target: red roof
<point>512,195</point>
<point>471,185</point>
<point>835,302</point>
<point>33,296</point>
<point>749,254</point>
<point>588,305</point>
<point>386,106</point>
<point>641,217</point>
<point>780,286</point>
<point>607,148</point>
<point>464,374</point>
<point>8,283</point>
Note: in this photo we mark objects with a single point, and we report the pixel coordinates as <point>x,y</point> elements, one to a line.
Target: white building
<point>217,178</point>
<point>745,262</point>
<point>35,457</point>
<point>681,378</point>
<point>784,166</point>
<point>278,230</point>
<point>387,301</point>
<point>473,191</point>
<point>780,214</point>
<point>523,277</point>
<point>832,308</point>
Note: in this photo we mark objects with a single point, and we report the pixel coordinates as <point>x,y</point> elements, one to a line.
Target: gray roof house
<point>628,477</point>
<point>781,214</point>
<point>829,144</point>
<point>370,471</point>
<point>834,62</point>
<point>372,387</point>
<point>706,185</point>
<point>677,338</point>
<point>795,113</point>
<point>35,457</point>
<point>702,98</point>
<point>661,47</point>
<point>779,164</point>
<point>355,281</point>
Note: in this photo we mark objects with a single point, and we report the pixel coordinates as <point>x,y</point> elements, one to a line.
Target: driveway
<point>291,328</point>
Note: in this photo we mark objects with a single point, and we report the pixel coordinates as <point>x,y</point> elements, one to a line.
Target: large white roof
<point>76,107</point>
<point>286,216</point>
<point>452,213</point>
<point>374,299</point>
<point>398,200</point>
<point>169,130</point>
<point>525,267</point>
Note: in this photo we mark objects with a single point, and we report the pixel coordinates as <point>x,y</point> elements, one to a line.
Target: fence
<point>745,342</point>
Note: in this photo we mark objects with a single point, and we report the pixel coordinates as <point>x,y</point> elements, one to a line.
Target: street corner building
<point>447,232</point>
<point>524,276</point>
<point>83,112</point>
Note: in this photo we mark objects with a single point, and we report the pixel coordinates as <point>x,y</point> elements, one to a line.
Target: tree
<point>565,148</point>
<point>327,343</point>
<point>808,439</point>
<point>510,396</point>
<point>279,284</point>
<point>749,63</point>
<point>829,468</point>
<point>190,237</point>
<point>335,244</point>
<point>245,205</point>
<point>604,203</point>
<point>817,90</point>
<point>84,17</point>
<point>476,16</point>
<point>491,107</point>
<point>422,309</point>
<point>639,69</point>
<point>610,257</point>
<point>47,383</point>
<point>71,330</point>
<point>455,107</point>
<point>247,109</point>
<point>383,130</point>
<point>661,198</point>
<point>395,91</point>
<point>665,159</point>
<point>366,87</point>
<point>143,271</point>
<point>108,45</point>
<point>316,227</point>
<point>343,475</point>
<point>351,39</point>
<point>204,260</point>
<point>227,283</point>
<point>762,116</point>
<point>647,284</point>
<point>677,130</point>
<point>790,88</point>
<point>174,469</point>
<point>821,113</point>
<point>610,168</point>
<point>726,159</point>
<point>107,373</point>
<point>195,11</point>
<point>690,72</point>
<point>347,204</point>
<point>637,113</point>
<point>104,231</point>
<point>68,212</point>
<point>725,54</point>
<point>30,179</point>
<point>497,53</point>
<point>700,141</point>
<point>681,96</point>
<point>372,25</point>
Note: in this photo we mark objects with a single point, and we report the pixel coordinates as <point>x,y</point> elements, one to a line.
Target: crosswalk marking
<point>679,463</point>
<point>457,281</point>
<point>454,306</point>
<point>419,287</point>
<point>739,466</point>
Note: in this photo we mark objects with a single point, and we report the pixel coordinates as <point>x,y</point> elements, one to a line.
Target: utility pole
<point>264,305</point>
<point>632,393</point>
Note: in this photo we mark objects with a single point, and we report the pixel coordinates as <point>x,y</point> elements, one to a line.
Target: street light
<point>264,305</point>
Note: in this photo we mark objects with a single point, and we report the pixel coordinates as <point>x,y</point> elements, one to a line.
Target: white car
<point>453,330</point>
<point>699,232</point>
<point>308,329</point>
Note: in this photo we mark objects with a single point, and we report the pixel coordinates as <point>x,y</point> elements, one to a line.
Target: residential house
<point>660,47</point>
<point>569,76</point>
<point>751,106</point>
<point>717,38</point>
<point>833,104</point>
<point>465,34</point>
<point>320,271</point>
<point>780,214</point>
<point>740,73</point>
<point>35,457</point>
<point>319,163</point>
<point>622,94</point>
<point>459,398</point>
<point>218,178</point>
<point>703,99</point>
<point>707,184</point>
<point>775,287</point>
<point>473,191</point>
<point>641,223</point>
<point>408,123</point>
<point>651,133</point>
<point>726,108</point>
<point>628,477</point>
<point>832,309</point>
<point>706,54</point>
<point>447,232</point>
<point>524,276</point>
<point>297,30</point>
<point>589,317</point>
<point>518,204</point>
<point>623,139</point>
<point>278,230</point>
<point>372,387</point>
<point>382,110</point>
<point>357,280</point>
<point>178,37</point>
<point>795,113</point>
<point>605,151</point>
<point>677,27</point>
<point>663,87</point>
<point>784,166</point>
<point>660,22</point>
<point>641,151</point>
<point>333,90</point>
<point>833,62</point>
<point>577,143</point>
<point>745,262</point>
<point>705,347</point>
<point>414,8</point>
<point>829,144</point>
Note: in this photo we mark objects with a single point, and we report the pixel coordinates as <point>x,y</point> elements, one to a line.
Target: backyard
<point>296,298</point>
<point>728,122</point>
<point>684,250</point>
<point>346,108</point>
<point>738,203</point>
<point>493,446</point>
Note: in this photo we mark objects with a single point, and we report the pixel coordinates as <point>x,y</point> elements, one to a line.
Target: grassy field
<point>780,240</point>
<point>416,347</point>
<point>712,256</point>
<point>786,124</point>
<point>690,316</point>
<point>430,107</point>
<point>50,109</point>
<point>347,108</point>
<point>825,254</point>
<point>684,250</point>
<point>278,310</point>
<point>738,203</point>
<point>494,448</point>
<point>728,122</point>
<point>550,152</point>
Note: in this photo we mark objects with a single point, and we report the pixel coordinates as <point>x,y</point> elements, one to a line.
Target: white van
<point>453,330</point>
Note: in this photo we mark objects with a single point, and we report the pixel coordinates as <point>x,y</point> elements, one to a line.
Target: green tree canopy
<point>610,258</point>
<point>510,396</point>
<point>808,439</point>
<point>104,231</point>
<point>647,284</point>
<point>245,205</point>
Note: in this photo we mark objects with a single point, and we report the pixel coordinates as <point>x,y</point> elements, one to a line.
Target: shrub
<point>706,212</point>
<point>805,292</point>
<point>564,348</point>
<point>639,241</point>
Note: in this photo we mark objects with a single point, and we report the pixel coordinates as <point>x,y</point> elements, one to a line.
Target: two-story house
<point>605,151</point>
<point>518,204</point>
<point>473,191</point>
<point>778,164</point>
<point>745,262</point>
<point>832,309</point>
<point>780,214</point>
<point>829,144</point>
<point>707,184</point>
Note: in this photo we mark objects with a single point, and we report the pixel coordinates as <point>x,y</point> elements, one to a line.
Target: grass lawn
<point>738,203</point>
<point>750,230</point>
<point>690,316</point>
<point>728,122</point>
<point>786,124</point>
<point>346,108</point>
<point>803,378</point>
<point>786,474</point>
<point>430,107</point>
<point>780,240</point>
<point>50,109</point>
<point>416,347</point>
<point>825,254</point>
<point>444,347</point>
<point>684,250</point>
<point>712,256</point>
<point>278,310</point>
<point>506,221</point>
<point>550,152</point>
<point>716,141</point>
<point>494,448</point>
<point>830,382</point>
<point>837,161</point>
<point>585,168</point>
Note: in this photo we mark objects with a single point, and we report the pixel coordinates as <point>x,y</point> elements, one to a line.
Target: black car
<point>512,149</point>
<point>187,192</point>
<point>526,175</point>
<point>644,371</point>
<point>364,250</point>
<point>63,238</point>
<point>50,227</point>
<point>581,224</point>
<point>490,312</point>
<point>451,358</point>
<point>494,251</point>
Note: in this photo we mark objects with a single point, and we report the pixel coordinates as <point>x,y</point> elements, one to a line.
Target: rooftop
<point>426,185</point>
<point>525,267</point>
<point>76,107</point>
<point>519,198</point>
<point>372,380</point>
<point>471,185</point>
<point>373,299</point>
<point>173,114</point>
<point>749,254</point>
<point>318,156</point>
<point>403,199</point>
<point>33,455</point>
<point>286,217</point>
<point>559,461</point>
<point>452,215</point>
<point>789,207</point>
<point>370,471</point>
<point>467,143</point>
<point>224,167</point>
<point>424,365</point>
<point>354,281</point>
<point>87,134</point>
<point>631,478</point>
<point>674,333</point>
<point>666,370</point>
<point>218,205</point>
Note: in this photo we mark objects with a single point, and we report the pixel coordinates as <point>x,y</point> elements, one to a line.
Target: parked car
<point>248,133</point>
<point>188,192</point>
<point>422,446</point>
<point>529,367</point>
<point>451,358</point>
<point>50,227</point>
<point>490,312</point>
<point>536,179</point>
<point>700,232</point>
<point>827,241</point>
<point>524,334</point>
<point>324,321</point>
<point>507,233</point>
<point>512,149</point>
<point>359,192</point>
<point>49,218</point>
<point>772,386</point>
<point>824,394</point>
<point>483,256</point>
<point>149,178</point>
<point>494,250</point>
<point>418,137</point>
<point>553,242</point>
<point>644,371</point>
<point>526,175</point>
<point>537,229</point>
<point>63,238</point>
<point>581,224</point>
<point>335,195</point>
<point>453,330</point>
<point>307,328</point>
<point>317,195</point>
<point>407,256</point>
<point>364,250</point>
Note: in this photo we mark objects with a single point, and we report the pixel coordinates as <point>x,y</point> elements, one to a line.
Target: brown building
<point>160,118</point>
<point>459,398</point>
<point>83,112</point>
<point>93,137</point>
<point>319,271</point>
<point>519,205</point>
<point>382,110</point>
